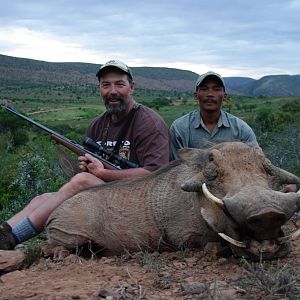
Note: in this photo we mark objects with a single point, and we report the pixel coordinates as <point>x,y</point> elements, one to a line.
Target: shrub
<point>29,171</point>
<point>291,106</point>
<point>272,279</point>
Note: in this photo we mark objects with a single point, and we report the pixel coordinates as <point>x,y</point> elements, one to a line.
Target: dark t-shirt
<point>146,142</point>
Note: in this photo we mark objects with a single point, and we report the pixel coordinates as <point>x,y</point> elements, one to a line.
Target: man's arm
<point>151,141</point>
<point>248,136</point>
<point>289,188</point>
<point>176,141</point>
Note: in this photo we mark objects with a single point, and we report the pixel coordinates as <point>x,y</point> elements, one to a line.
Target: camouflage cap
<point>115,64</point>
<point>202,77</point>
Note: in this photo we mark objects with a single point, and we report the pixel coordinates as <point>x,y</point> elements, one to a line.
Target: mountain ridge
<point>15,71</point>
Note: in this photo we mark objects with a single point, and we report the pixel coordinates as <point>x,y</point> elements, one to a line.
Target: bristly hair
<point>68,164</point>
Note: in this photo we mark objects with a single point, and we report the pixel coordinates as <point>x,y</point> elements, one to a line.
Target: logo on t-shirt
<point>124,150</point>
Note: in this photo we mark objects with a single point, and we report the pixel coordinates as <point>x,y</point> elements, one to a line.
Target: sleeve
<point>249,137</point>
<point>152,143</point>
<point>176,140</point>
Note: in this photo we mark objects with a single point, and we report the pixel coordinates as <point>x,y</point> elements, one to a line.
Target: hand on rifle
<point>88,163</point>
<point>289,188</point>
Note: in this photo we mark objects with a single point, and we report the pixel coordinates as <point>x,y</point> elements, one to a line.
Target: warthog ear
<point>280,175</point>
<point>193,156</point>
<point>214,218</point>
<point>217,220</point>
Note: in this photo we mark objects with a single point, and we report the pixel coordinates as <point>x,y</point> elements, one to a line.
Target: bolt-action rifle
<point>89,146</point>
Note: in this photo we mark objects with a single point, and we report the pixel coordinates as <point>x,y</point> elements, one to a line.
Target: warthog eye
<point>211,157</point>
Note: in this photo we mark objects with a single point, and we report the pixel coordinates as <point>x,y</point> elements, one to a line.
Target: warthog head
<point>241,204</point>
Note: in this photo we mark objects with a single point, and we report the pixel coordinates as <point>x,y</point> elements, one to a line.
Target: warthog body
<point>168,208</point>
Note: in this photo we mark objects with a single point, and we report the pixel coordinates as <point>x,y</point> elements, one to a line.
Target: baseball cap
<point>115,64</point>
<point>202,77</point>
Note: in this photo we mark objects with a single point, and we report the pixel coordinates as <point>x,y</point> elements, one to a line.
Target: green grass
<point>273,280</point>
<point>67,114</point>
<point>170,113</point>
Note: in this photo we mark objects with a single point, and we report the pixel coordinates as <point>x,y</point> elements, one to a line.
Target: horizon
<point>233,76</point>
<point>239,39</point>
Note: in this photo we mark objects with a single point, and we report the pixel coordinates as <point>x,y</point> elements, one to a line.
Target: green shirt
<point>190,131</point>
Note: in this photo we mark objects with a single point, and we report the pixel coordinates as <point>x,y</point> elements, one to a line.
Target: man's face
<point>210,94</point>
<point>116,91</point>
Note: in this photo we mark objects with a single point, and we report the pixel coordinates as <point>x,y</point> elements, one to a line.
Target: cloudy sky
<point>233,37</point>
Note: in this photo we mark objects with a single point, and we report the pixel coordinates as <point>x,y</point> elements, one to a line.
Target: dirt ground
<point>193,274</point>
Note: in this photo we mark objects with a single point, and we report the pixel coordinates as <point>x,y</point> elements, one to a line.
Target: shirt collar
<point>222,120</point>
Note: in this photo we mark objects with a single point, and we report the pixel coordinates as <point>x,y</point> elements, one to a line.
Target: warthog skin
<point>168,210</point>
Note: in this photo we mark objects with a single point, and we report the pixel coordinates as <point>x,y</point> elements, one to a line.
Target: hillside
<point>22,72</point>
<point>28,72</point>
<point>276,85</point>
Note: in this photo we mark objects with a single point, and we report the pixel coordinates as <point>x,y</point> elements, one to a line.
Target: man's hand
<point>88,163</point>
<point>289,188</point>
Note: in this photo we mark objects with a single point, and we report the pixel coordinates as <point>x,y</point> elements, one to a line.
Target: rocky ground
<point>185,274</point>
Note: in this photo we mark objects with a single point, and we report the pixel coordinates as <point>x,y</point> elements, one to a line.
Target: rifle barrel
<point>71,145</point>
<point>50,131</point>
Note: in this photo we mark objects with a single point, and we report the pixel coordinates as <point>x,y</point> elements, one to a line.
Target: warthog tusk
<point>232,241</point>
<point>286,239</point>
<point>209,196</point>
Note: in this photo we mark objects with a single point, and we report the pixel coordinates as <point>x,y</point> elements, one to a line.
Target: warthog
<point>225,192</point>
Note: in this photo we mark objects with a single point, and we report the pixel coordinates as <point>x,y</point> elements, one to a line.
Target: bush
<point>269,120</point>
<point>292,107</point>
<point>265,119</point>
<point>28,171</point>
<point>274,280</point>
<point>157,103</point>
<point>282,146</point>
<point>15,128</point>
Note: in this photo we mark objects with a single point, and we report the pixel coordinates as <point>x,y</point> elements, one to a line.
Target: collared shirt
<point>190,131</point>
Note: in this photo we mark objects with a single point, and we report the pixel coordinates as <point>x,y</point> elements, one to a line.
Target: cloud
<point>22,42</point>
<point>239,38</point>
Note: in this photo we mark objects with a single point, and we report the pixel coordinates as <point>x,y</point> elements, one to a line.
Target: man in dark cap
<point>209,124</point>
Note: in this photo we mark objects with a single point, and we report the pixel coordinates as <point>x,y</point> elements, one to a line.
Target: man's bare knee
<point>38,200</point>
<point>85,180</point>
<point>79,182</point>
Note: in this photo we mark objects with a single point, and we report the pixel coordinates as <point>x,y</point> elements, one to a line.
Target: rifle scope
<point>92,145</point>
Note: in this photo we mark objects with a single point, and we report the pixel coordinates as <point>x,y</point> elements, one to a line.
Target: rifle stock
<point>81,151</point>
<point>76,147</point>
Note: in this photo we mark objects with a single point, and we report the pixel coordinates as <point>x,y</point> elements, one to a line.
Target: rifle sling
<point>124,129</point>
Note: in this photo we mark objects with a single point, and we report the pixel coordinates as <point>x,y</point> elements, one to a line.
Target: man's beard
<point>113,109</point>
